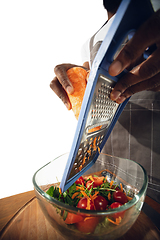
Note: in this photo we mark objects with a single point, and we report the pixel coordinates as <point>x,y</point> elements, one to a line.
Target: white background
<point>35,126</point>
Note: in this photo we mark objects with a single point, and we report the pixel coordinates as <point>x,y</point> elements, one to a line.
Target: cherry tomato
<point>83,204</point>
<point>100,203</point>
<point>90,184</point>
<point>98,181</point>
<point>120,197</point>
<point>119,214</point>
<point>115,187</point>
<point>80,181</point>
<point>73,218</point>
<point>88,225</point>
<point>116,205</point>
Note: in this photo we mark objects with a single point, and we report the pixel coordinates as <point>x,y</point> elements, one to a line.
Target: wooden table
<point>21,218</point>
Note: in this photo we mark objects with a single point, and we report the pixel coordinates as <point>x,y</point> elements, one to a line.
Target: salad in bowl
<point>102,204</point>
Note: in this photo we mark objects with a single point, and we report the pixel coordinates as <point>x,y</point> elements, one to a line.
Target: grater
<point>99,113</point>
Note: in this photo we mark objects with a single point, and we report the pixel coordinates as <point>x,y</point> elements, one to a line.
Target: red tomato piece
<point>115,187</point>
<point>83,204</point>
<point>80,181</point>
<point>120,196</point>
<point>90,184</point>
<point>116,205</point>
<point>73,218</point>
<point>88,225</point>
<point>119,214</point>
<point>100,203</point>
<point>98,181</point>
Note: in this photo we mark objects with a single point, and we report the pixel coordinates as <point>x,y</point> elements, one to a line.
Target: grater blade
<point>99,113</point>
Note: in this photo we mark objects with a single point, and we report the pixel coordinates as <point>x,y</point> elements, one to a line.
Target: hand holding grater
<point>98,110</point>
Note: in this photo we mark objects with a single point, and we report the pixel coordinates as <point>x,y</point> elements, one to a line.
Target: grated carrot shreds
<point>75,194</point>
<point>90,177</point>
<point>79,197</point>
<point>60,191</point>
<point>84,160</point>
<point>112,221</point>
<point>88,204</point>
<point>94,144</point>
<point>92,199</point>
<point>111,183</point>
<point>89,152</point>
<point>121,187</point>
<point>99,150</point>
<point>109,196</point>
<point>129,198</point>
<point>95,195</point>
<point>88,218</point>
<point>117,222</point>
<point>84,194</point>
<point>80,188</point>
<point>80,168</point>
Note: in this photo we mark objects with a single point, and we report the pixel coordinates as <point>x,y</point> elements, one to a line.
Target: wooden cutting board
<point>29,223</point>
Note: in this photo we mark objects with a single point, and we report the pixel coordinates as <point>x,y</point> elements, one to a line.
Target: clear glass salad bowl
<point>125,172</point>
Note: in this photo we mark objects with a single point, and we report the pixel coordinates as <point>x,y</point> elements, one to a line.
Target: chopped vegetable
<point>119,214</point>
<point>77,76</point>
<point>88,225</point>
<point>73,218</point>
<point>91,193</point>
<point>120,197</point>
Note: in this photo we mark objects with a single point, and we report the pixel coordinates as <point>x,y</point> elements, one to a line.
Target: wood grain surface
<point>10,205</point>
<point>29,223</point>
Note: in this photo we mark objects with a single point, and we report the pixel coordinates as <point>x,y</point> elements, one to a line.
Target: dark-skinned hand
<point>146,75</point>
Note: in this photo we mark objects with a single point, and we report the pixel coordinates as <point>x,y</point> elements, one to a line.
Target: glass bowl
<point>131,175</point>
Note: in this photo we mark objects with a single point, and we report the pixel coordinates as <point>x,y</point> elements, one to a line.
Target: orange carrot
<point>80,167</point>
<point>84,194</point>
<point>77,76</point>
<point>84,160</point>
<point>95,195</point>
<point>121,187</point>
<point>94,144</point>
<point>88,204</point>
<point>91,178</point>
<point>117,222</point>
<point>94,129</point>
<point>111,183</point>
<point>99,150</point>
<point>112,221</point>
<point>60,191</point>
<point>109,196</point>
<point>129,198</point>
<point>75,194</point>
<point>80,188</point>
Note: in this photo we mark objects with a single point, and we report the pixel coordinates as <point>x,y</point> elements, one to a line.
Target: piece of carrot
<point>94,129</point>
<point>77,76</point>
<point>75,195</point>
